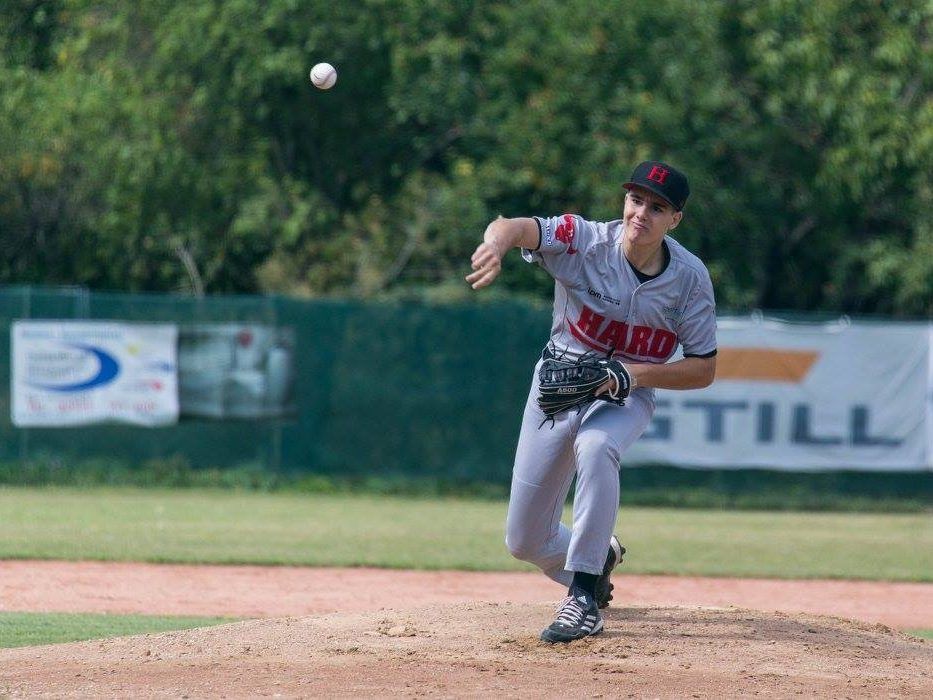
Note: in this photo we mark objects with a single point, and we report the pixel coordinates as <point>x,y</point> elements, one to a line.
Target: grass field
<point>31,629</point>
<point>216,526</point>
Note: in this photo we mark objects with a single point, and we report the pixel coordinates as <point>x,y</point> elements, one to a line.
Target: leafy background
<point>179,146</point>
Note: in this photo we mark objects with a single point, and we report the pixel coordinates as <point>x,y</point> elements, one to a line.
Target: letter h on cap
<point>658,174</point>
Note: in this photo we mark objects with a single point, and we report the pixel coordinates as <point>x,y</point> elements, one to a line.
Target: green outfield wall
<point>395,389</point>
<point>381,388</point>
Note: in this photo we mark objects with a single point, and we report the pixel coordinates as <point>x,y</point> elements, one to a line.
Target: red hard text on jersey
<point>565,233</point>
<point>595,332</point>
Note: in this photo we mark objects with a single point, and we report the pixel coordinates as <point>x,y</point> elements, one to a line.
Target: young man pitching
<point>622,289</point>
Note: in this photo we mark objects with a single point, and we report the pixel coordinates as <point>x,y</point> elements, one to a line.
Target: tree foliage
<point>175,145</point>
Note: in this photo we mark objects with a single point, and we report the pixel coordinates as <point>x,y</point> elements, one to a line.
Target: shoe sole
<point>557,638</point>
<point>618,551</point>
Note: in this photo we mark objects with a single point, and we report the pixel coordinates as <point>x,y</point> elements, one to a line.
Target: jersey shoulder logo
<point>566,232</point>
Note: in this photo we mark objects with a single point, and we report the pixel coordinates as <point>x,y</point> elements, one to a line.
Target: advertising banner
<point>807,396</point>
<point>67,373</point>
<point>233,370</point>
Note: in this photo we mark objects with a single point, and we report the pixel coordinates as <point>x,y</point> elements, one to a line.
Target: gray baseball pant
<point>589,445</point>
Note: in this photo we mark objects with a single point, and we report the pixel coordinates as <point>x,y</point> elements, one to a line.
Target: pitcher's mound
<point>479,649</point>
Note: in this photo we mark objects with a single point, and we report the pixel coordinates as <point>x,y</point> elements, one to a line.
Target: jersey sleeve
<point>697,330</point>
<point>561,247</point>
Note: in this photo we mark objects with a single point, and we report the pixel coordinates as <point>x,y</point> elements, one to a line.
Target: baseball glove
<point>564,384</point>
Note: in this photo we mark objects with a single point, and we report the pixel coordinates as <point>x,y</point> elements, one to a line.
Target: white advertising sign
<point>82,372</point>
<point>804,397</point>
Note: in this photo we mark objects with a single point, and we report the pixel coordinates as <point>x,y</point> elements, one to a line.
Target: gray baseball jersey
<point>599,305</point>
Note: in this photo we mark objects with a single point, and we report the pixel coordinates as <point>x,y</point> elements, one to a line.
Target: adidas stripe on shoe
<point>577,617</point>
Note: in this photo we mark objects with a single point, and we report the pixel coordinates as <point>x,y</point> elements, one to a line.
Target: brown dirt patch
<point>370,632</point>
<point>472,649</point>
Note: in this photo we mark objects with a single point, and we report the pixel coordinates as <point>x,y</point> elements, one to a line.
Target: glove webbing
<point>586,377</point>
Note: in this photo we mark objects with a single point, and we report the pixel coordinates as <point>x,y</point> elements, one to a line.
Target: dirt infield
<point>368,632</point>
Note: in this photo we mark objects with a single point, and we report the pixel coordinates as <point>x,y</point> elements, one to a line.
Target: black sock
<point>585,581</point>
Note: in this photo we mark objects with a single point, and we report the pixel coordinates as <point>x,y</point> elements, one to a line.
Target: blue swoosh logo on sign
<point>107,371</point>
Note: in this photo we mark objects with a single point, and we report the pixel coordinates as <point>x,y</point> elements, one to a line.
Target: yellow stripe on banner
<point>764,364</point>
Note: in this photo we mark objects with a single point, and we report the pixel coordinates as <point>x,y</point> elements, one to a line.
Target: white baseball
<point>324,75</point>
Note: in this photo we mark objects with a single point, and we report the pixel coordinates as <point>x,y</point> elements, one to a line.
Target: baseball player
<point>623,289</point>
